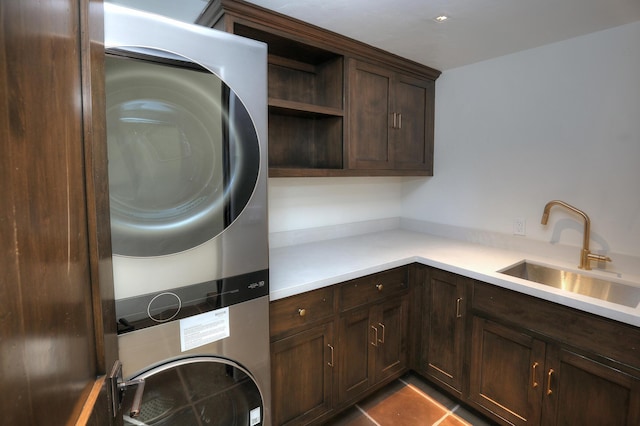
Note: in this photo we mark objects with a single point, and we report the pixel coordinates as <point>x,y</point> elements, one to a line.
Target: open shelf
<point>306,110</point>
<point>280,106</point>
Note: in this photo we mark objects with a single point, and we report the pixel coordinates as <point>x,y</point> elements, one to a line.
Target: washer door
<point>198,391</point>
<point>183,154</point>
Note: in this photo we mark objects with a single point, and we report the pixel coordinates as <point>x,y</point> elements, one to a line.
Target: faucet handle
<point>598,257</point>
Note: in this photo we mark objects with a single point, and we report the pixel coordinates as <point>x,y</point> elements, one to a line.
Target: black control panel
<point>152,309</point>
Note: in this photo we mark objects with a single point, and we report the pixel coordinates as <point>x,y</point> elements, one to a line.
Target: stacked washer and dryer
<point>187,140</point>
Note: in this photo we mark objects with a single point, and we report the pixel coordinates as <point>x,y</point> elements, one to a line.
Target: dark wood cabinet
<point>333,346</point>
<point>390,119</point>
<point>306,115</point>
<point>374,332</point>
<point>529,363</point>
<point>373,346</point>
<point>357,352</point>
<point>391,331</point>
<point>302,372</point>
<point>526,381</point>
<point>303,357</point>
<point>581,391</point>
<point>507,370</point>
<point>311,133</point>
<point>443,326</point>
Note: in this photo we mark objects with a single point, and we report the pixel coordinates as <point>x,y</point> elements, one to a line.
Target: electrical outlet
<point>519,226</point>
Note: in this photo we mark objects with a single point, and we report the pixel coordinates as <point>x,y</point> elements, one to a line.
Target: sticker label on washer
<point>202,329</point>
<point>254,417</point>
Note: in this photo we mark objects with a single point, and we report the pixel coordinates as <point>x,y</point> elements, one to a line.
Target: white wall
<point>559,121</point>
<point>300,203</point>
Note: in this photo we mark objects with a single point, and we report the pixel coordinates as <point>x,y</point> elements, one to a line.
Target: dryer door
<point>198,391</point>
<point>184,155</point>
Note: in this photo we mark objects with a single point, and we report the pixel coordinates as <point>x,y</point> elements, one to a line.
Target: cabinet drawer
<point>299,310</point>
<point>372,288</point>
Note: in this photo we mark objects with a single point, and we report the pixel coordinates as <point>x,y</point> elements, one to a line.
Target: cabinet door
<point>413,130</point>
<point>443,319</point>
<point>390,120</point>
<point>506,372</point>
<point>391,328</point>
<point>357,340</point>
<point>57,322</point>
<point>302,371</point>
<point>369,116</point>
<point>581,391</point>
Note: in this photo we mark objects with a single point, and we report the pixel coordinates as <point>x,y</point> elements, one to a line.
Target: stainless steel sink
<point>575,282</point>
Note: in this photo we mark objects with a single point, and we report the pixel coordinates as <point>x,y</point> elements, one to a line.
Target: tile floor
<point>409,400</point>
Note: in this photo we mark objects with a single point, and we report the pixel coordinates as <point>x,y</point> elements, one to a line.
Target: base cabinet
<point>582,391</point>
<point>525,381</point>
<point>373,346</point>
<point>534,362</point>
<point>326,356</point>
<point>302,368</point>
<point>443,325</point>
<point>506,372</point>
<point>517,359</point>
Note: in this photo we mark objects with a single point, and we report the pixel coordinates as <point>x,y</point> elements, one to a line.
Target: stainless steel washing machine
<point>187,141</point>
<point>224,382</point>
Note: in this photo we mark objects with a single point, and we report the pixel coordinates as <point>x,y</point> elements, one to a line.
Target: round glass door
<point>183,154</point>
<point>198,391</point>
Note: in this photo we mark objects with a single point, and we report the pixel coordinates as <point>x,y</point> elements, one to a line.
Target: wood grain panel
<point>302,376</point>
<point>372,288</point>
<point>285,314</point>
<point>48,344</point>
<point>443,324</point>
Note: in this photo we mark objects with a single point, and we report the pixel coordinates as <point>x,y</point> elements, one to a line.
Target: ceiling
<point>476,29</point>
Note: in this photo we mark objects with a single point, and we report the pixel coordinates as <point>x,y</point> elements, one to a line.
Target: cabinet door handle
<point>399,121</point>
<point>534,384</point>
<point>549,375</point>
<point>458,311</point>
<point>395,118</point>
<point>330,364</point>
<point>381,325</point>
<point>375,340</point>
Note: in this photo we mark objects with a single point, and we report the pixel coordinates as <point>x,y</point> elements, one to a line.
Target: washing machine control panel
<point>152,309</point>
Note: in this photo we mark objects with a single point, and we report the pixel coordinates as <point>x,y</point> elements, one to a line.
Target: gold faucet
<point>585,255</point>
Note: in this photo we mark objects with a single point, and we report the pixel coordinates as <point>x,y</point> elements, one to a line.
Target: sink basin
<point>575,282</point>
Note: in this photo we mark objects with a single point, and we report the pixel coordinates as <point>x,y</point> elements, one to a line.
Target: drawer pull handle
<point>534,384</point>
<point>302,312</point>
<point>375,340</point>
<point>379,287</point>
<point>381,325</point>
<point>458,311</point>
<point>549,391</point>
<point>330,364</point>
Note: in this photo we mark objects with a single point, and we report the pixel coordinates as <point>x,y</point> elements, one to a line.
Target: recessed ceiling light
<point>441,18</point>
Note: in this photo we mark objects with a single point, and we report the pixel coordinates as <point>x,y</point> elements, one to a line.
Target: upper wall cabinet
<point>337,107</point>
<point>390,120</point>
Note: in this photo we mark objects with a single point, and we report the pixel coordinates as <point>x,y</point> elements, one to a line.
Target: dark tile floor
<point>409,400</point>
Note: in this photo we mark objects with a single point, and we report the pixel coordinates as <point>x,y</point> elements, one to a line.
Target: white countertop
<point>299,268</point>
